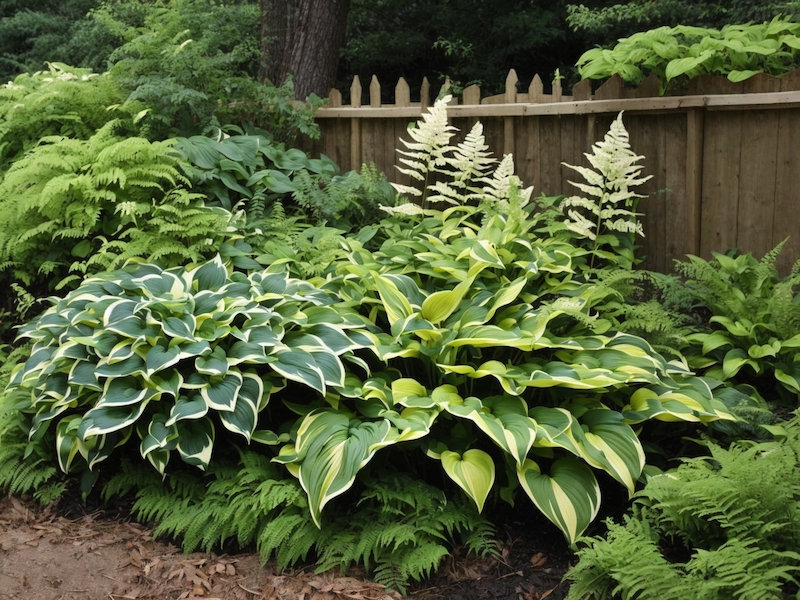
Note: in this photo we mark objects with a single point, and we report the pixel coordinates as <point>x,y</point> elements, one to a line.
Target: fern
<point>79,206</point>
<point>607,216</point>
<point>452,174</point>
<point>737,514</point>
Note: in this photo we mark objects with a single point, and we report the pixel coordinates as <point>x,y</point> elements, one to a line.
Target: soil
<point>50,554</point>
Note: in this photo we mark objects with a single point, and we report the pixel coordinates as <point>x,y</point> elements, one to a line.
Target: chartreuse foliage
<point>73,207</point>
<point>680,52</point>
<point>399,527</point>
<point>61,101</point>
<point>737,514</point>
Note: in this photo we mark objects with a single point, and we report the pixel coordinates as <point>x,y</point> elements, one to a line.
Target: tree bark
<point>302,38</point>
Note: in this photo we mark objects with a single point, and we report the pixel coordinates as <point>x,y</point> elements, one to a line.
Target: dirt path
<point>44,556</point>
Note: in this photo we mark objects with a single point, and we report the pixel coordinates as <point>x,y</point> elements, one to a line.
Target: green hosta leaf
<point>473,471</point>
<point>102,420</point>
<point>300,366</point>
<point>555,428</point>
<point>789,375</point>
<point>210,276</point>
<point>244,417</point>
<point>569,496</point>
<point>221,392</point>
<point>159,436</point>
<point>681,66</point>
<point>159,359</point>
<point>610,444</point>
<point>737,328</point>
<point>440,305</point>
<point>484,254</point>
<point>196,441</point>
<point>67,441</point>
<point>735,359</point>
<point>215,363</point>
<point>331,449</point>
<point>736,75</point>
<point>507,294</point>
<point>504,419</point>
<point>99,448</point>
<point>187,408</point>
<point>269,438</point>
<point>123,392</point>
<point>133,365</point>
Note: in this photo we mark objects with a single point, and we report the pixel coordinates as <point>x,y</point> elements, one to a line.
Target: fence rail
<point>724,156</point>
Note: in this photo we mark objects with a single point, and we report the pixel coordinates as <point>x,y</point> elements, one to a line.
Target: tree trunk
<point>302,38</point>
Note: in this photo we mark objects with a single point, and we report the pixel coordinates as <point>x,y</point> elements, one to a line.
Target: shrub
<point>681,52</point>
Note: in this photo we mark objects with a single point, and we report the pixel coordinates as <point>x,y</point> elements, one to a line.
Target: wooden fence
<point>725,157</point>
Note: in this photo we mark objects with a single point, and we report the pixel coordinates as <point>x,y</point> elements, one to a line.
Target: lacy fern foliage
<point>719,527</point>
<point>606,215</point>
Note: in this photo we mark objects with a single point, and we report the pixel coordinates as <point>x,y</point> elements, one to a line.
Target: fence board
<point>787,190</point>
<point>720,202</point>
<point>757,181</point>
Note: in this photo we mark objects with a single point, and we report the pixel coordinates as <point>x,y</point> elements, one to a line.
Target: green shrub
<point>681,52</point>
<point>718,527</point>
<point>753,334</point>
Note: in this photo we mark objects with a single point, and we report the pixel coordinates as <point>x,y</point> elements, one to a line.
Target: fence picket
<point>402,93</point>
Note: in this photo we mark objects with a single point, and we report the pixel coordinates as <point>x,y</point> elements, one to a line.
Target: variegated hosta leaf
<point>244,416</point>
<point>330,450</point>
<point>693,401</point>
<point>569,496</point>
<point>195,441</point>
<point>157,441</point>
<point>396,305</point>
<point>67,441</point>
<point>473,471</point>
<point>503,418</point>
<point>608,443</point>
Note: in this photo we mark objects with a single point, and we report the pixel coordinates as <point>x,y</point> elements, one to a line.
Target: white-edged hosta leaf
<point>473,471</point>
<point>330,366</point>
<point>300,366</point>
<point>159,358</point>
<point>569,496</point>
<point>331,450</point>
<point>167,382</point>
<point>159,436</point>
<point>244,417</point>
<point>441,304</point>
<point>407,389</point>
<point>99,448</point>
<point>332,338</point>
<point>83,374</point>
<point>102,420</point>
<point>215,363</point>
<point>269,438</point>
<point>187,408</point>
<point>123,391</point>
<point>181,328</point>
<point>211,275</point>
<point>133,365</point>
<point>221,392</point>
<point>611,444</point>
<point>484,253</point>
<point>196,441</point>
<point>395,304</point>
<point>505,295</point>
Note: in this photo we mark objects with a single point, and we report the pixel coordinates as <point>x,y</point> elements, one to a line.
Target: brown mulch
<point>47,556</point>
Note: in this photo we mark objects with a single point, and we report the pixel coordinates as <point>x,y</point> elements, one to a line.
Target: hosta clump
<point>166,357</point>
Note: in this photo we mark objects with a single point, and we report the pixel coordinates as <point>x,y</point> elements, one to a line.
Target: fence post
<point>508,122</point>
<point>355,125</point>
<point>536,90</point>
<point>425,94</point>
<point>374,93</point>
<point>402,93</point>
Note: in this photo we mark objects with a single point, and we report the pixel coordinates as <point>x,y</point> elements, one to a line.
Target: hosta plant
<point>680,52</point>
<point>165,358</point>
<point>497,368</point>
